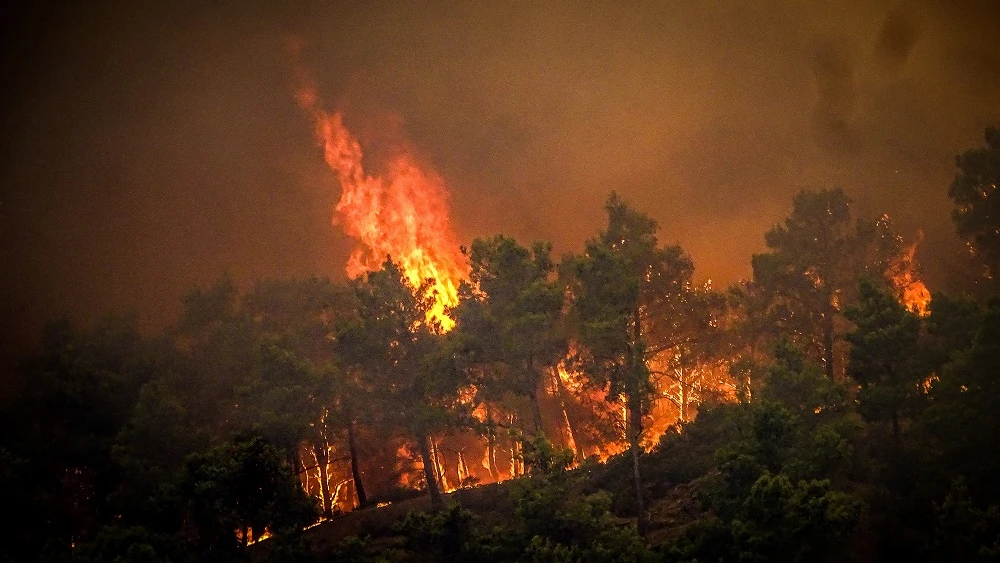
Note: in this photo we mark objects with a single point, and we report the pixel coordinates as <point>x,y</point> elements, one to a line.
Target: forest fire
<point>335,281</point>
<point>917,297</point>
<point>910,289</point>
<point>402,213</point>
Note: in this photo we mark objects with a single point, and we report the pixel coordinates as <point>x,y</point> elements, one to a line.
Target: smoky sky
<point>148,148</point>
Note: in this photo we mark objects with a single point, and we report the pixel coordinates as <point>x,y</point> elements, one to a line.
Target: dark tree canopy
<point>245,486</point>
<point>977,211</point>
<point>406,365</point>
<point>619,284</point>
<point>509,318</point>
<point>886,358</point>
<point>810,272</point>
<point>722,435</point>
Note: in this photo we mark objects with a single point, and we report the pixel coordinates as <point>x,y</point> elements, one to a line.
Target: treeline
<point>838,415</point>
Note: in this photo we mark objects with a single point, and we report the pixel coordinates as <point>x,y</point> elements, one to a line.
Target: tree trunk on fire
<point>297,464</point>
<point>319,450</point>
<point>491,445</point>
<point>634,431</point>
<point>425,455</point>
<point>463,469</point>
<point>439,469</point>
<point>682,411</point>
<point>352,444</point>
<point>634,390</point>
<point>563,393</point>
<point>514,450</point>
<point>536,412</point>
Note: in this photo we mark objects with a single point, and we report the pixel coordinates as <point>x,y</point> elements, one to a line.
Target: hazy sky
<point>149,148</point>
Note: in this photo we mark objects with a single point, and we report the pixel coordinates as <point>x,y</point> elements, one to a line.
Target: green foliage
<point>128,545</point>
<point>124,448</point>
<point>541,457</point>
<point>806,269</point>
<point>624,277</point>
<point>560,524</point>
<point>964,531</point>
<point>760,516</point>
<point>814,261</point>
<point>604,304</point>
<point>552,521</point>
<point>216,353</point>
<point>509,319</point>
<point>623,285</point>
<point>446,535</point>
<point>886,356</point>
<point>782,521</point>
<point>772,492</point>
<point>800,384</point>
<point>405,364</point>
<point>951,327</point>
<point>406,368</point>
<point>239,487</point>
<point>59,433</point>
<point>961,420</point>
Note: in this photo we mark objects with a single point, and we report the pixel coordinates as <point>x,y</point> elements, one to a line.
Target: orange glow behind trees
<point>402,211</point>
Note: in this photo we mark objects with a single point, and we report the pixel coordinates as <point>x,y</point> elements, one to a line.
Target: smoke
<point>834,71</point>
<point>149,148</point>
<point>843,67</point>
<point>896,39</point>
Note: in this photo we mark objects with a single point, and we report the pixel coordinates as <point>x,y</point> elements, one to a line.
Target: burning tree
<point>810,273</point>
<point>620,280</point>
<point>509,319</point>
<point>689,348</point>
<point>302,387</point>
<point>401,213</point>
<point>404,365</point>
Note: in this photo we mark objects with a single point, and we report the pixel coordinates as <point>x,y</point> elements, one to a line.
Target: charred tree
<point>563,394</point>
<point>429,473</point>
<point>634,395</point>
<point>618,287</point>
<point>536,412</point>
<point>359,487</point>
<point>491,445</point>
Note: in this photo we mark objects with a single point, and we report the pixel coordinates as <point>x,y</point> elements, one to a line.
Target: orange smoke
<point>402,213</point>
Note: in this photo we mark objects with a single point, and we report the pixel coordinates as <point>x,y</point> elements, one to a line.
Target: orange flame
<point>910,289</point>
<point>402,213</point>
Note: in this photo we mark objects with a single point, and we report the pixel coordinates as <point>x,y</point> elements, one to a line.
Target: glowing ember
<point>252,536</point>
<point>402,213</point>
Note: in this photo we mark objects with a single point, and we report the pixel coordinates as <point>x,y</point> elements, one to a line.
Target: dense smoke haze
<point>148,149</point>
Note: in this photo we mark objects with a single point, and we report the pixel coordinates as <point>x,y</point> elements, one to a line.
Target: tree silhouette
<point>975,194</point>
<point>624,276</point>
